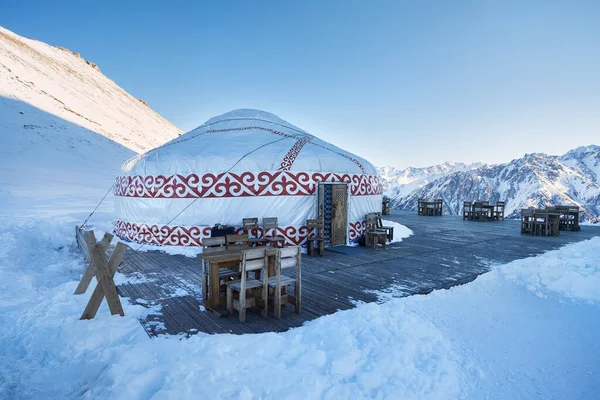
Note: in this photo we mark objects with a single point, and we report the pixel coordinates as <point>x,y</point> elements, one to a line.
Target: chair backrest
<point>289,257</point>
<point>213,244</point>
<point>254,259</point>
<point>378,219</point>
<point>270,223</point>
<point>237,241</point>
<point>316,225</point>
<point>249,223</point>
<point>371,222</point>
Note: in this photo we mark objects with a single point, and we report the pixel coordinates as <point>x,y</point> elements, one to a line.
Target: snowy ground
<point>525,330</point>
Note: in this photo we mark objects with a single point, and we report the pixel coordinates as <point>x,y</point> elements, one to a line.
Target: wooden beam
<point>98,295</point>
<point>104,278</point>
<point>90,271</point>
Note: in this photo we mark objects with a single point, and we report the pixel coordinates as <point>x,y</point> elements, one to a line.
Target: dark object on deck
<point>362,240</point>
<point>430,207</point>
<point>221,230</point>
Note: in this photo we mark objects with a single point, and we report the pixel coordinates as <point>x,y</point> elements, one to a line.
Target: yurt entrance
<point>333,208</point>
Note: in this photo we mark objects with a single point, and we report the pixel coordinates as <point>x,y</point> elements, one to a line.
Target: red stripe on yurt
<point>246,184</point>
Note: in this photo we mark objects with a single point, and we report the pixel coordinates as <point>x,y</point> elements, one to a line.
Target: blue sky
<point>399,83</point>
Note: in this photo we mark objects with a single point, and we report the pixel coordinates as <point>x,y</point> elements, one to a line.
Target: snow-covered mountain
<point>409,179</point>
<point>64,124</point>
<point>535,180</point>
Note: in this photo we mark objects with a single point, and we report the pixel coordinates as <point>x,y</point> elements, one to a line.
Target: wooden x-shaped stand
<point>104,270</point>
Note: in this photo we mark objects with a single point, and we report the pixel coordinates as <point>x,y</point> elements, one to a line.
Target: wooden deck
<point>443,252</point>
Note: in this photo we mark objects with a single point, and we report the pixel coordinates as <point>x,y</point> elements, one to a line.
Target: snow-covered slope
<point>62,83</point>
<point>536,180</point>
<point>64,126</point>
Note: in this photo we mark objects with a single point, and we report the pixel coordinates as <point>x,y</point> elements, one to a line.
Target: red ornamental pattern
<point>246,184</point>
<point>356,229</point>
<point>290,157</point>
<point>193,235</point>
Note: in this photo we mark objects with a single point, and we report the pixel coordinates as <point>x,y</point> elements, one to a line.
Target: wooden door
<point>339,214</point>
<point>332,208</point>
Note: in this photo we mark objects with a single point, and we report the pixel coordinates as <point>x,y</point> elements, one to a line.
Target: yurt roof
<point>246,140</point>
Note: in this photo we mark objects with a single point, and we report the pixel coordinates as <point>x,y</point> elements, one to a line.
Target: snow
<point>400,231</point>
<point>60,83</point>
<point>525,330</point>
<point>65,130</point>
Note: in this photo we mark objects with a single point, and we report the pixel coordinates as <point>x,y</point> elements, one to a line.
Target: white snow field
<point>528,329</point>
<point>65,129</point>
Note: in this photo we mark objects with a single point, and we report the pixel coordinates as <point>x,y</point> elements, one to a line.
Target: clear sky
<point>399,83</point>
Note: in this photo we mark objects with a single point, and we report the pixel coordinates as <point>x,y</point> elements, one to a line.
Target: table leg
<point>213,285</point>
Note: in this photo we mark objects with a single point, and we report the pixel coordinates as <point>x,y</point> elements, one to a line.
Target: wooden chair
<point>374,236</point>
<point>316,227</point>
<point>388,229</point>
<point>216,245</point>
<point>499,211</point>
<point>467,210</point>
<point>250,225</point>
<point>287,258</point>
<point>421,207</point>
<point>527,220</point>
<point>255,237</point>
<point>437,207</point>
<point>269,224</point>
<point>251,260</point>
<point>236,242</point>
<point>540,222</point>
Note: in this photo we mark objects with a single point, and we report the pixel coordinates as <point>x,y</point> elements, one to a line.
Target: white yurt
<point>244,164</point>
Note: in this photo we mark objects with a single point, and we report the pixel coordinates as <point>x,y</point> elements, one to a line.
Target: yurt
<point>244,164</point>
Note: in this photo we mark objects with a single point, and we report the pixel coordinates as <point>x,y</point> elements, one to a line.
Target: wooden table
<point>569,217</point>
<point>225,259</point>
<point>429,207</point>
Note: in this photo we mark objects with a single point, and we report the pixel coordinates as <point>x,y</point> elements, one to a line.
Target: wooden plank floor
<point>443,252</point>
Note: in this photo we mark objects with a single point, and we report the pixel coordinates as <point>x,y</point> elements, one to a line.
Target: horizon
<point>434,84</point>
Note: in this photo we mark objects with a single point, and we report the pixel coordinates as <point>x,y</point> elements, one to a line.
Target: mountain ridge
<point>535,180</point>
